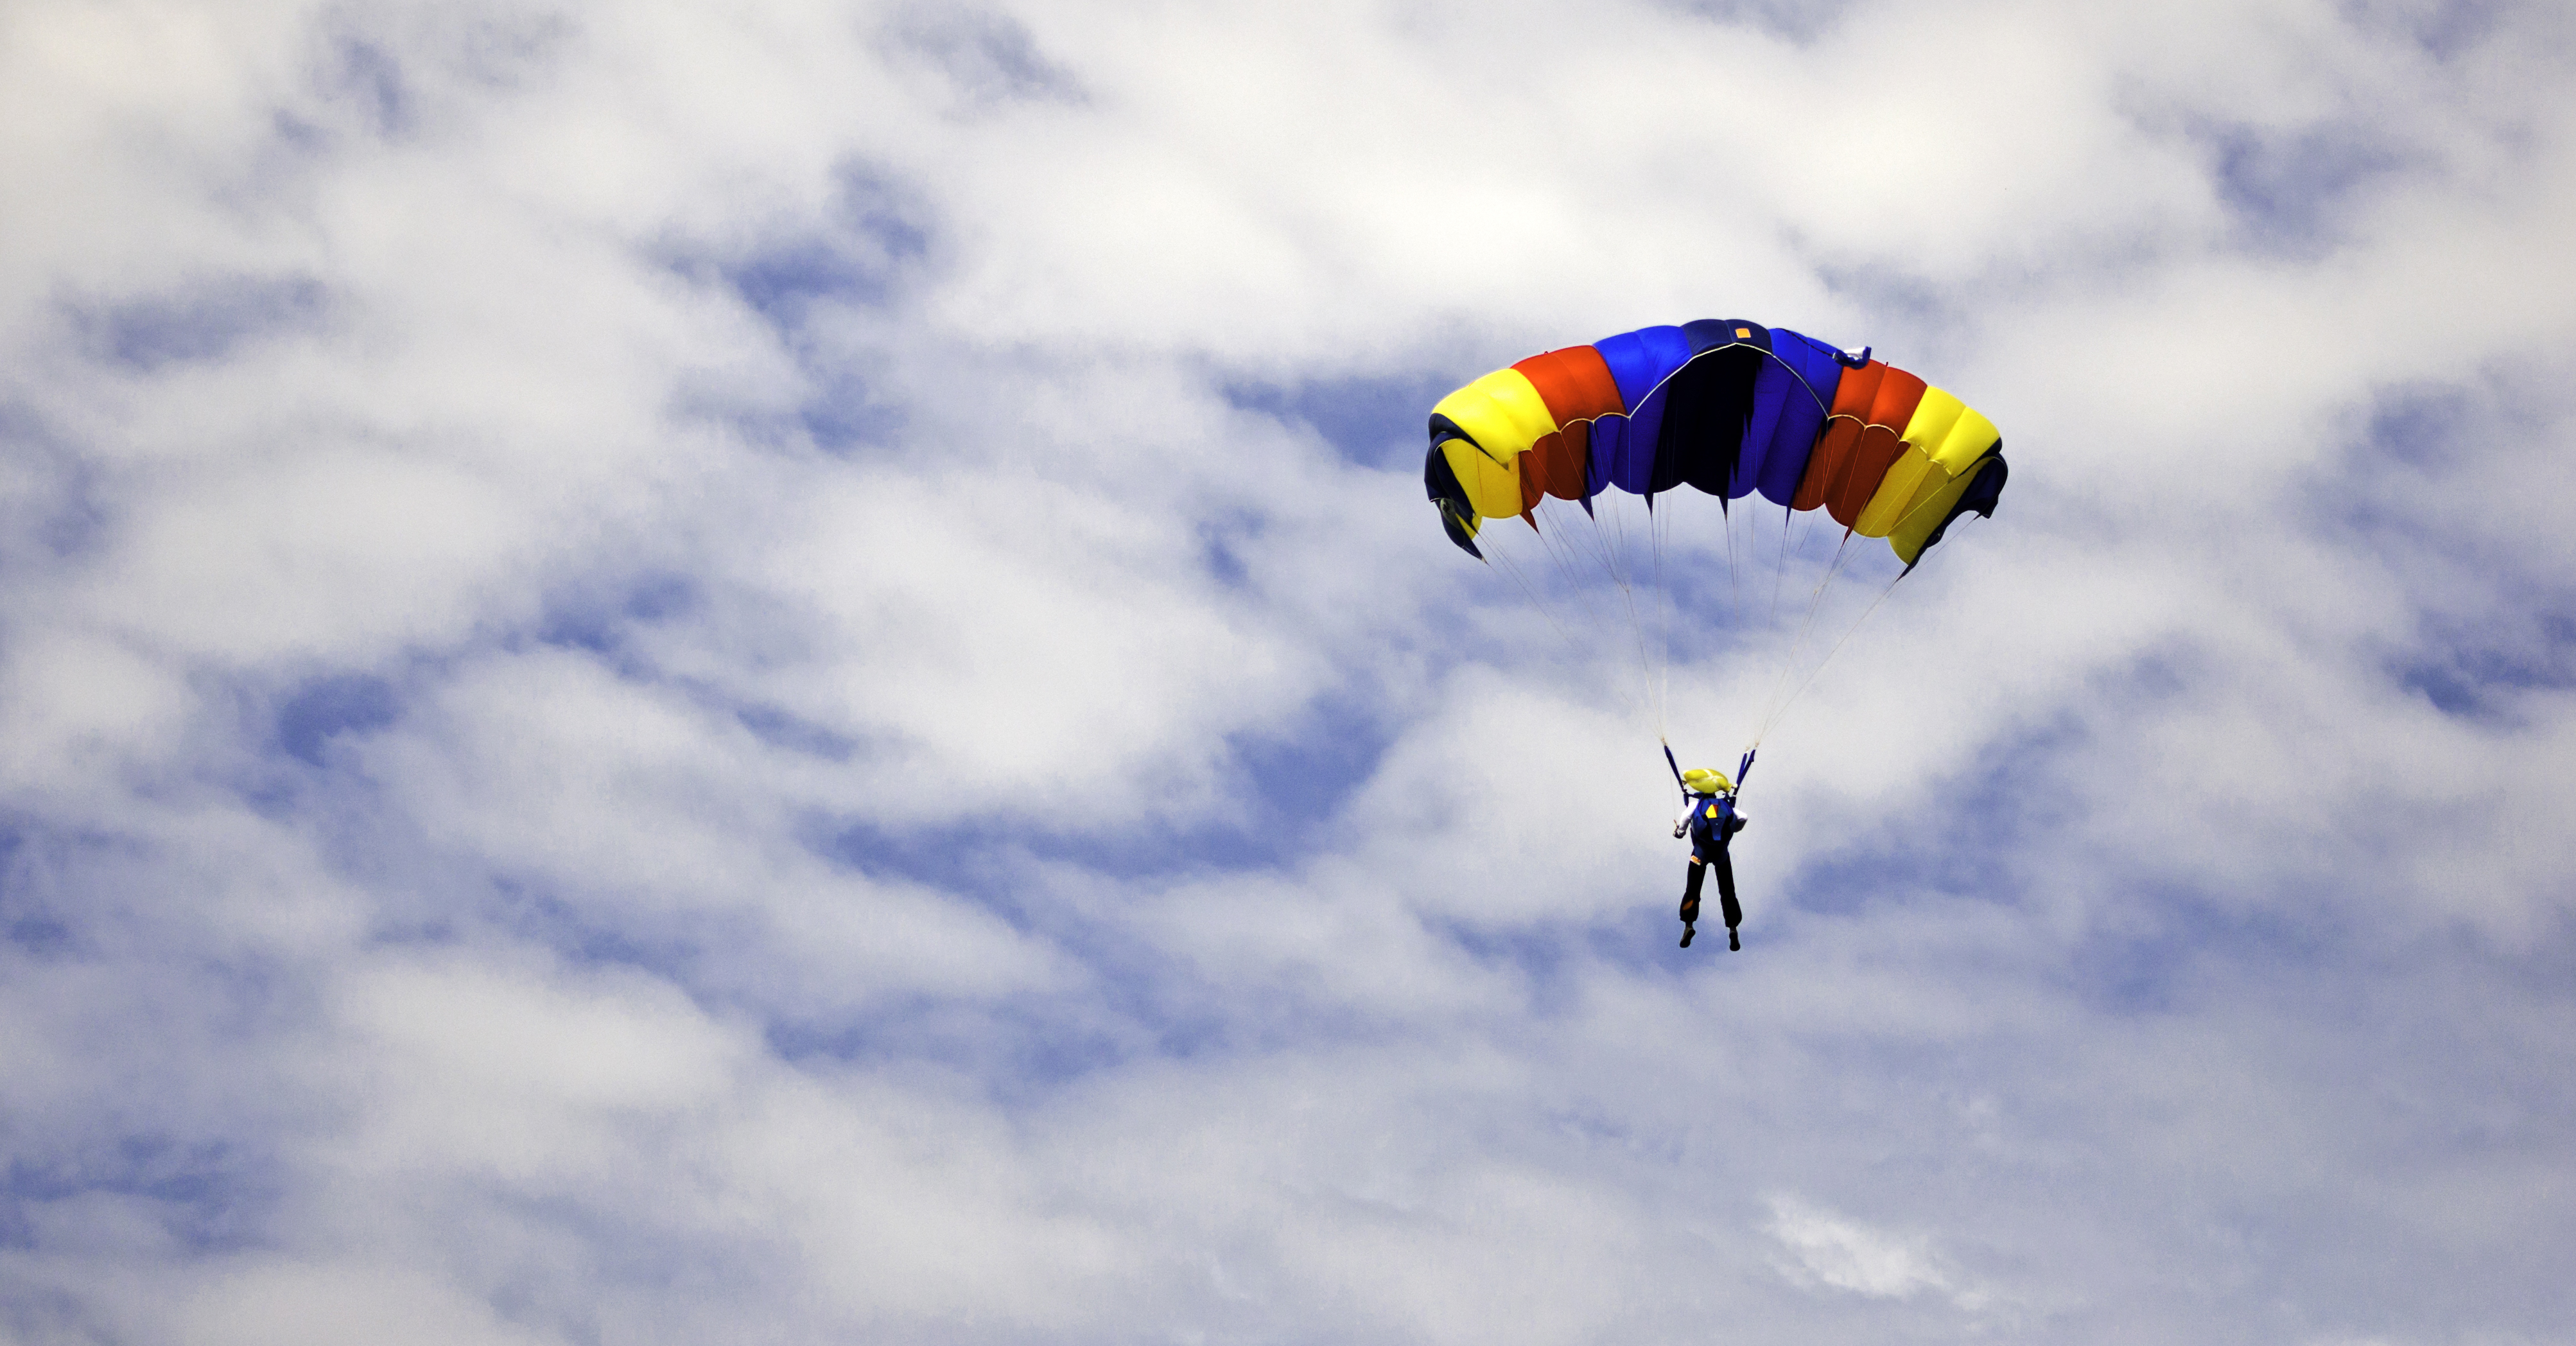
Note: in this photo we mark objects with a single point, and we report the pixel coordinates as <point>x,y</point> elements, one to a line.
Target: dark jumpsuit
<point>1713,823</point>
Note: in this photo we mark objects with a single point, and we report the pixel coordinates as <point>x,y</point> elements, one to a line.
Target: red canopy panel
<point>1872,406</point>
<point>1577,386</point>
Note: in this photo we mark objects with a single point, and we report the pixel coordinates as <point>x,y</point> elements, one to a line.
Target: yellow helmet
<point>1699,780</point>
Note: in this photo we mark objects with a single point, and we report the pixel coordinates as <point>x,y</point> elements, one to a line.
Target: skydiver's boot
<point>1731,941</point>
<point>1687,932</point>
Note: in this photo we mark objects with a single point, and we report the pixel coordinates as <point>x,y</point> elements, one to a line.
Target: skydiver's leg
<point>1690,901</point>
<point>1725,867</point>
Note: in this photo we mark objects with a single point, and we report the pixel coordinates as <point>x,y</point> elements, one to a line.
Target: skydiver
<point>1711,824</point>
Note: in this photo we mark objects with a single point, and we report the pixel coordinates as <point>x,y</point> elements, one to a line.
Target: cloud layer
<point>676,673</point>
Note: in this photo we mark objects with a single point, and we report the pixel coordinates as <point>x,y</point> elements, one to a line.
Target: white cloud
<point>1846,1254</point>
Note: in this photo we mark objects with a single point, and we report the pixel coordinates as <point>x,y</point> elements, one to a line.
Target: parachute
<point>1724,405</point>
<point>1732,408</point>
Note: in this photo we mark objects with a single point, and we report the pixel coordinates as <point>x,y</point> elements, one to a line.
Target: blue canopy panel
<point>1708,403</point>
<point>1791,397</point>
<point>1708,334</point>
<point>1623,447</point>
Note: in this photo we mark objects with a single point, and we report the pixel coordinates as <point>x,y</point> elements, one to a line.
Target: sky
<point>777,673</point>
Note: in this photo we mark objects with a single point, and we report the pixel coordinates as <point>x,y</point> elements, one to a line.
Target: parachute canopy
<point>1728,406</point>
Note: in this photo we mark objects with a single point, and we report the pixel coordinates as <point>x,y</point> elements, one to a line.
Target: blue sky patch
<point>206,1194</point>
<point>594,615</point>
<point>325,708</point>
<point>57,502</point>
<point>988,57</point>
<point>368,77</point>
<point>2288,189</point>
<point>1376,422</point>
<point>2469,669</point>
<point>204,321</point>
